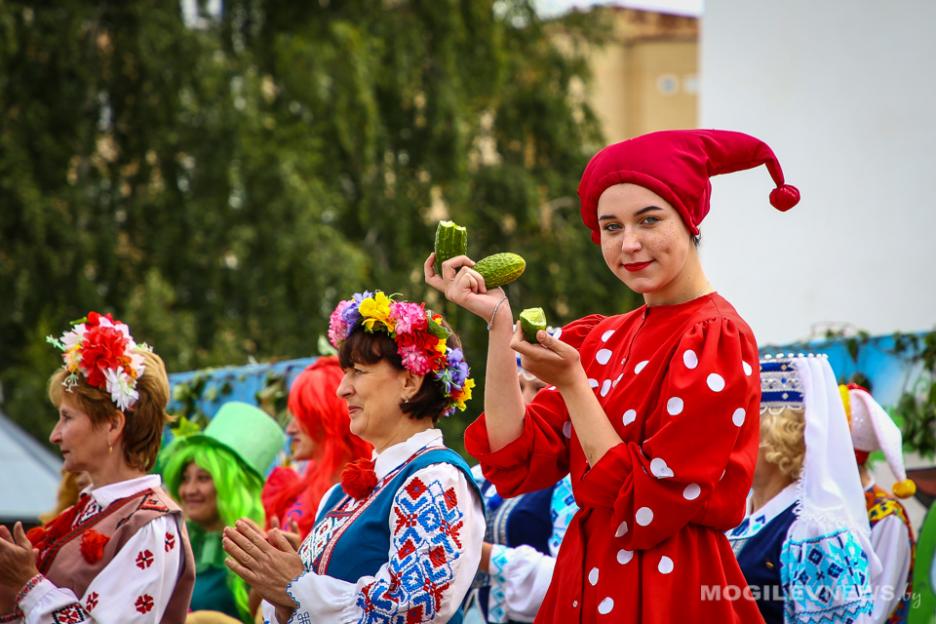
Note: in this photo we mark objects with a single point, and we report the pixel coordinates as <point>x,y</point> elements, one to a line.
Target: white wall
<point>845,93</point>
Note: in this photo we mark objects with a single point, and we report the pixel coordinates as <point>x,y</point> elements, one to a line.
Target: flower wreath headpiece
<point>419,335</point>
<point>102,351</point>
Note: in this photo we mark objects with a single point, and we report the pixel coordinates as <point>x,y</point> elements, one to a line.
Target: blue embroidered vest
<point>363,546</point>
<point>759,559</point>
<point>522,520</point>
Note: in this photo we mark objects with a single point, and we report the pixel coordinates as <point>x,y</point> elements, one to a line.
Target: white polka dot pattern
<point>603,356</point>
<point>692,491</point>
<point>605,606</point>
<point>659,468</point>
<point>674,406</point>
<point>644,516</point>
<point>716,382</point>
<point>605,387</point>
<point>690,359</point>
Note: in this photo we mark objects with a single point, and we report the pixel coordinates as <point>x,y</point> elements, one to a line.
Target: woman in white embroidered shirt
<point>121,553</point>
<point>399,539</point>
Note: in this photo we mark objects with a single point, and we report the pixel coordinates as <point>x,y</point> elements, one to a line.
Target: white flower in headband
<point>101,350</point>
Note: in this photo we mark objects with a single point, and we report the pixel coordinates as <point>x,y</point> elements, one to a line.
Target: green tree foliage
<point>219,181</point>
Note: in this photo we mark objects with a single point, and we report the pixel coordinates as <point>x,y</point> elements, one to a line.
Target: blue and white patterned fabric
<point>406,553</point>
<point>562,511</point>
<point>755,521</point>
<point>525,532</point>
<point>825,579</point>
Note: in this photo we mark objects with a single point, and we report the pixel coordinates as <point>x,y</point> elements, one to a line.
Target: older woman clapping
<point>121,554</point>
<point>400,536</point>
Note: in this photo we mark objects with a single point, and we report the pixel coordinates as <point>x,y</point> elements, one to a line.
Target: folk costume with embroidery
<point>120,555</point>
<point>872,429</point>
<point>806,553</point>
<point>405,552</point>
<point>525,533</point>
<point>399,539</point>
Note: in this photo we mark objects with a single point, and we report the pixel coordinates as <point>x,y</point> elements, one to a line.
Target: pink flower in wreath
<point>415,360</point>
<point>409,317</point>
<point>337,327</point>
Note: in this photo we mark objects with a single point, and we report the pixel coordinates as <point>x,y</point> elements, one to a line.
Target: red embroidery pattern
<point>144,559</point>
<point>91,601</point>
<point>170,541</point>
<point>14,616</point>
<point>427,519</point>
<point>144,603</point>
<point>28,587</point>
<point>153,504</point>
<point>72,614</point>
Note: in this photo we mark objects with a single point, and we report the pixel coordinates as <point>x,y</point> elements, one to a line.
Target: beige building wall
<point>646,79</point>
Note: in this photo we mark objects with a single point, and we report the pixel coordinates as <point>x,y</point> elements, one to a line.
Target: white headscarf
<point>830,488</point>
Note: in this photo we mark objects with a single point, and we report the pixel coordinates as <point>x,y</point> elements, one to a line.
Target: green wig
<point>238,496</point>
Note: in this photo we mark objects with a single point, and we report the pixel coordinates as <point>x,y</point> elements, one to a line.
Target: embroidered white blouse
<point>322,598</point>
<point>520,576</point>
<point>134,588</point>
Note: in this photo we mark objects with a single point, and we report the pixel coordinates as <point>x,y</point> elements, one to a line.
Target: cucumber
<point>500,268</point>
<point>451,240</point>
<point>531,321</point>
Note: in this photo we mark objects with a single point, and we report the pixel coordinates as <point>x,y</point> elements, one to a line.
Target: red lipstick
<point>637,266</point>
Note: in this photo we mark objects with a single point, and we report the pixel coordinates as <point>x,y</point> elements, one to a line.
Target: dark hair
<point>361,346</point>
<point>696,239</point>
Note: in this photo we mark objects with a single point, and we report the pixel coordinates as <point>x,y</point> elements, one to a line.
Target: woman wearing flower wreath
<point>320,436</point>
<point>399,538</point>
<point>652,412</point>
<point>121,554</point>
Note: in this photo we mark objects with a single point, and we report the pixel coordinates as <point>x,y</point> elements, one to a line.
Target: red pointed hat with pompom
<point>677,165</point>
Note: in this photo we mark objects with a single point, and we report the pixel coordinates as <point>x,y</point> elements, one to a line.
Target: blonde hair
<point>782,439</point>
<point>144,424</point>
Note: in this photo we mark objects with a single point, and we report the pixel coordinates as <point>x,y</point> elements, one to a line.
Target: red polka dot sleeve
<point>699,446</point>
<point>540,456</point>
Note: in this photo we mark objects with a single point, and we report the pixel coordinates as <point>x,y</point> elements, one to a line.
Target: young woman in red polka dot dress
<point>654,412</point>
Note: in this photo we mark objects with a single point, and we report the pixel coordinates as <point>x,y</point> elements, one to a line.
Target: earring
<point>110,449</point>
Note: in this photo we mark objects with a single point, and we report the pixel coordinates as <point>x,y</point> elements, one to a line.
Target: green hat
<point>246,431</point>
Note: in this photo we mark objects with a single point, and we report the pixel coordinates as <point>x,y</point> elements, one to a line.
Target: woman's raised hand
<point>462,285</point>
